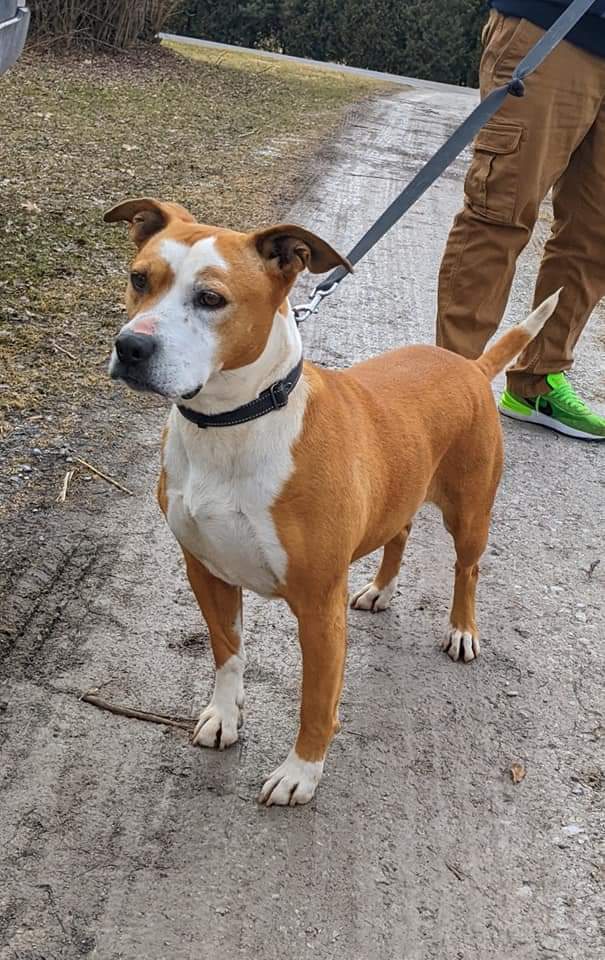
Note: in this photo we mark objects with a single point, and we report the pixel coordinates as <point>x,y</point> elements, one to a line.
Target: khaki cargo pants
<point>552,137</point>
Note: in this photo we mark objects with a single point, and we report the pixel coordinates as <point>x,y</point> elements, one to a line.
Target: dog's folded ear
<point>292,249</point>
<point>146,216</point>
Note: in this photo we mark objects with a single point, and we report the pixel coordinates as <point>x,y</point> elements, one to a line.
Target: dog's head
<point>202,299</point>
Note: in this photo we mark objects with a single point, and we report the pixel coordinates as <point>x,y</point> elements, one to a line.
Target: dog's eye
<point>138,281</point>
<point>209,299</point>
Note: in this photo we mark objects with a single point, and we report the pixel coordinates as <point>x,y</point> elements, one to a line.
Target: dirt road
<point>122,842</point>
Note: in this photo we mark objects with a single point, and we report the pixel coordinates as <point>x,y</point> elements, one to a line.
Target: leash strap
<point>448,152</point>
<point>273,398</point>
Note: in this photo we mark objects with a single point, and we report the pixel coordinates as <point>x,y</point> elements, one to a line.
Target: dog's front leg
<point>221,605</point>
<point>322,635</point>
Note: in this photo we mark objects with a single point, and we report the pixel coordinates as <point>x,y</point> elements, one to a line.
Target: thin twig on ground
<point>455,870</point>
<point>593,566</point>
<point>65,488</point>
<point>104,476</point>
<point>122,711</point>
<point>57,346</point>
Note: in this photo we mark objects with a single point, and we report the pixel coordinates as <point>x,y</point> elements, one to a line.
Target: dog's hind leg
<point>377,595</point>
<point>221,605</point>
<point>470,531</point>
<point>465,490</point>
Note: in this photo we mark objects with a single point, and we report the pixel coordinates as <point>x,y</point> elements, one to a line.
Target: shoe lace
<point>566,394</point>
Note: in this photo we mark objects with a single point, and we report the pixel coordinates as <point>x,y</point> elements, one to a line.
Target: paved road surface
<point>125,843</point>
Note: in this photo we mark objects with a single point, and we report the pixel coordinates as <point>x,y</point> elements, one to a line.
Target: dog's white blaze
<point>186,261</point>
<point>204,254</point>
<point>295,781</point>
<point>174,253</point>
<point>222,482</point>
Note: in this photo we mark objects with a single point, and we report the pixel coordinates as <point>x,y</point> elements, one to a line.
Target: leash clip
<point>305,310</point>
<point>516,87</point>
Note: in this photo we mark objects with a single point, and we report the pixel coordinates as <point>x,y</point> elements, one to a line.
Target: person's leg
<point>573,258</point>
<point>517,157</point>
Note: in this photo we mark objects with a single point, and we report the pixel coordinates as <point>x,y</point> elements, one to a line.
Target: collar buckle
<point>278,394</point>
<point>272,398</point>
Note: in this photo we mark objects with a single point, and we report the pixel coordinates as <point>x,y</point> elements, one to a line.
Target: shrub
<point>99,23</point>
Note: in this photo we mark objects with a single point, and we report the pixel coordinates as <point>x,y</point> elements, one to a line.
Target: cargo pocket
<point>492,180</point>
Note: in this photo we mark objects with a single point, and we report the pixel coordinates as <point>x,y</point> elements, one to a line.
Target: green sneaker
<point>560,409</point>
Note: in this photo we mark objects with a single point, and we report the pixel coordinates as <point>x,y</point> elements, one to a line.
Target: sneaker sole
<point>541,420</point>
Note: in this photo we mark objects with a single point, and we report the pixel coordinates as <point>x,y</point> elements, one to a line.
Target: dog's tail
<point>514,341</point>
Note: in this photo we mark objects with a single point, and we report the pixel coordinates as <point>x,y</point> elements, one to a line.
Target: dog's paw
<point>294,782</point>
<point>217,726</point>
<point>373,599</point>
<point>461,644</point>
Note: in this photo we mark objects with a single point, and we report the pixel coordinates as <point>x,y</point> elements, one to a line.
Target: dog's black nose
<point>133,348</point>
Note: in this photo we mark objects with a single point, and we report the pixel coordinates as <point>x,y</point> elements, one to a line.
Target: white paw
<point>295,781</point>
<point>217,727</point>
<point>461,643</point>
<point>219,722</point>
<point>371,598</point>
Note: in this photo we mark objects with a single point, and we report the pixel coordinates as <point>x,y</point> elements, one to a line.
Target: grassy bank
<point>229,136</point>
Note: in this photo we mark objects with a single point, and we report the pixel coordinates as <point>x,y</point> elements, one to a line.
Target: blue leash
<point>448,152</point>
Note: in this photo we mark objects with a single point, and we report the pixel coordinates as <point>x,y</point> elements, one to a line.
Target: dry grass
<point>226,137</point>
<point>98,23</point>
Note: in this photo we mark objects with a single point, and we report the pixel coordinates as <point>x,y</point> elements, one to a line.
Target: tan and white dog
<point>283,504</point>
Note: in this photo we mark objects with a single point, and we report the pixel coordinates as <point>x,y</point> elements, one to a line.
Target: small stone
<point>572,829</point>
<point>550,943</point>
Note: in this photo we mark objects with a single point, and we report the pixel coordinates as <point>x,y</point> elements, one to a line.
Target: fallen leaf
<point>517,772</point>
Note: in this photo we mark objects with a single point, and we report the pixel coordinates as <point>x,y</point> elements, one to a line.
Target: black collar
<point>273,398</point>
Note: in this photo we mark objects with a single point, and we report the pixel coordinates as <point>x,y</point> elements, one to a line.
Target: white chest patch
<point>221,485</point>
